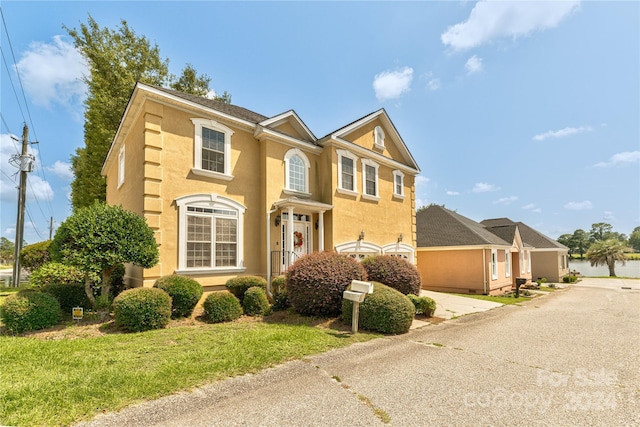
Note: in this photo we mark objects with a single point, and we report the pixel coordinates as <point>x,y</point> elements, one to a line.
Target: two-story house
<point>231,192</point>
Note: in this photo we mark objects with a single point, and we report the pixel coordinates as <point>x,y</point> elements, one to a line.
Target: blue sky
<point>525,110</point>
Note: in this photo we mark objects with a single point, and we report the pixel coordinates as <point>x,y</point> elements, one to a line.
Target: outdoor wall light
<point>361,236</point>
<point>278,219</point>
<point>400,238</point>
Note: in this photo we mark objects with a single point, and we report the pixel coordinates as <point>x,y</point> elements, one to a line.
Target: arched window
<point>378,137</point>
<point>296,166</point>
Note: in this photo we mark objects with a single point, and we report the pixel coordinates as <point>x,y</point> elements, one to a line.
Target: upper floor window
<point>296,171</point>
<point>398,184</point>
<point>210,233</point>
<point>121,167</point>
<point>369,179</point>
<point>212,149</point>
<point>347,171</point>
<point>378,137</point>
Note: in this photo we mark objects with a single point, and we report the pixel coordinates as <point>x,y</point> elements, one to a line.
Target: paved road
<point>568,358</point>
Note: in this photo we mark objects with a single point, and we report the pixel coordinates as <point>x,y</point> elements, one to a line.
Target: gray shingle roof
<point>530,236</point>
<point>438,226</point>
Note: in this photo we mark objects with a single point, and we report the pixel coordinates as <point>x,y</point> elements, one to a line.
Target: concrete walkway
<point>449,306</point>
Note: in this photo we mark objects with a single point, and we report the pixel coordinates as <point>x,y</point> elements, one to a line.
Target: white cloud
<point>52,73</point>
<point>490,20</point>
<point>483,187</point>
<point>505,200</point>
<point>421,179</point>
<point>608,216</point>
<point>473,64</point>
<point>392,84</point>
<point>621,159</point>
<point>453,193</point>
<point>38,189</point>
<point>562,133</point>
<point>579,206</point>
<point>434,84</point>
<point>532,207</point>
<point>61,170</point>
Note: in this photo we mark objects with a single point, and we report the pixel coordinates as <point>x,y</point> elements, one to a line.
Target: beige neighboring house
<point>457,254</point>
<point>549,259</point>
<point>230,192</point>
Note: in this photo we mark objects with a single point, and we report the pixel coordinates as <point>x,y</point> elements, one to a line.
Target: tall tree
<point>6,249</point>
<point>634,239</point>
<point>580,242</point>
<point>606,252</point>
<point>190,82</point>
<point>600,231</point>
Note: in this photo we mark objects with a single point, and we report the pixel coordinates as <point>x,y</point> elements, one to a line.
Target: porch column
<point>321,231</point>
<point>290,233</point>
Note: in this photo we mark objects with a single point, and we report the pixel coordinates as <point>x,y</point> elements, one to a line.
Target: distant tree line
<point>581,241</point>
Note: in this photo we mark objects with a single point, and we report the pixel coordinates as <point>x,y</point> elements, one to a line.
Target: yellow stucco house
<point>230,192</point>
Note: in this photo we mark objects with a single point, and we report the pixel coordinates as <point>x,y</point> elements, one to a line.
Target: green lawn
<point>501,300</point>
<point>59,382</point>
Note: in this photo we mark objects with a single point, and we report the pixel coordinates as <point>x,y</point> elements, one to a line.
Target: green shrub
<point>423,305</point>
<point>239,285</point>
<point>117,281</point>
<point>222,307</point>
<point>184,291</point>
<point>280,298</point>
<point>570,279</point>
<point>142,309</point>
<point>393,271</point>
<point>28,311</point>
<point>56,273</point>
<point>316,281</point>
<point>385,310</point>
<point>255,302</point>
<point>69,295</point>
<point>35,255</point>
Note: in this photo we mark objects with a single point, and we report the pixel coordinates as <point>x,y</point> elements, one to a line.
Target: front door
<point>302,236</point>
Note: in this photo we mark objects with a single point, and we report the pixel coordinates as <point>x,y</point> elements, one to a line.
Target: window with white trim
<point>521,262</point>
<point>494,264</point>
<point>212,149</point>
<point>507,263</point>
<point>378,137</point>
<point>296,166</point>
<point>210,233</point>
<point>528,260</point>
<point>347,178</point>
<point>398,184</point>
<point>121,167</point>
<point>369,178</point>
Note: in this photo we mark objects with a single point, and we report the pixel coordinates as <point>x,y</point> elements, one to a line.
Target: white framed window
<point>494,264</point>
<point>347,177</point>
<point>378,138</point>
<point>370,179</point>
<point>398,184</point>
<point>121,167</point>
<point>212,149</point>
<point>528,261</point>
<point>296,172</point>
<point>507,263</point>
<point>522,262</point>
<point>210,234</point>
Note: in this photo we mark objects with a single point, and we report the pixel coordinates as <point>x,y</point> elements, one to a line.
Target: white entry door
<point>302,236</point>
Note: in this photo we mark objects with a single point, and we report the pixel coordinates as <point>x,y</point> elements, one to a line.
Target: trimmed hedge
<point>69,295</point>
<point>393,271</point>
<point>55,273</point>
<point>184,292</point>
<point>239,285</point>
<point>222,307</point>
<point>255,302</point>
<point>316,281</point>
<point>385,310</point>
<point>142,309</point>
<point>35,255</point>
<point>280,298</point>
<point>423,305</point>
<point>29,311</point>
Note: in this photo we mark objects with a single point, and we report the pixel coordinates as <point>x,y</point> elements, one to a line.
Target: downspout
<point>484,270</point>
<point>269,293</point>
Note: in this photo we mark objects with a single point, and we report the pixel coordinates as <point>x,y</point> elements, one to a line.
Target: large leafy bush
<point>35,255</point>
<point>185,293</point>
<point>69,295</point>
<point>255,302</point>
<point>28,311</point>
<point>222,307</point>
<point>385,310</point>
<point>316,281</point>
<point>423,305</point>
<point>239,285</point>
<point>142,309</point>
<point>393,271</point>
<point>56,273</point>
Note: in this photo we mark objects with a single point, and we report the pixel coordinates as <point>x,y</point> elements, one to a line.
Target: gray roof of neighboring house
<point>529,236</point>
<point>232,110</point>
<point>438,226</point>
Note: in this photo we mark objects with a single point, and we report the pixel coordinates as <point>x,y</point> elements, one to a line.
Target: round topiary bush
<point>29,311</point>
<point>393,271</point>
<point>239,285</point>
<point>142,309</point>
<point>423,305</point>
<point>35,255</point>
<point>222,307</point>
<point>56,273</point>
<point>255,302</point>
<point>316,281</point>
<point>385,310</point>
<point>184,292</point>
<point>68,295</point>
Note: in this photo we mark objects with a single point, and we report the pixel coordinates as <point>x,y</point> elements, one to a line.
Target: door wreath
<point>297,239</point>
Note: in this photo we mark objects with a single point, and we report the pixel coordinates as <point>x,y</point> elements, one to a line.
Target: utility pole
<point>50,228</point>
<point>26,165</point>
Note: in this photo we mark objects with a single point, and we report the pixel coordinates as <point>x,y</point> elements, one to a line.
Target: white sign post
<point>359,290</point>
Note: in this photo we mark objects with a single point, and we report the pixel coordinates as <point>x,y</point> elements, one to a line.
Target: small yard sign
<point>77,313</point>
